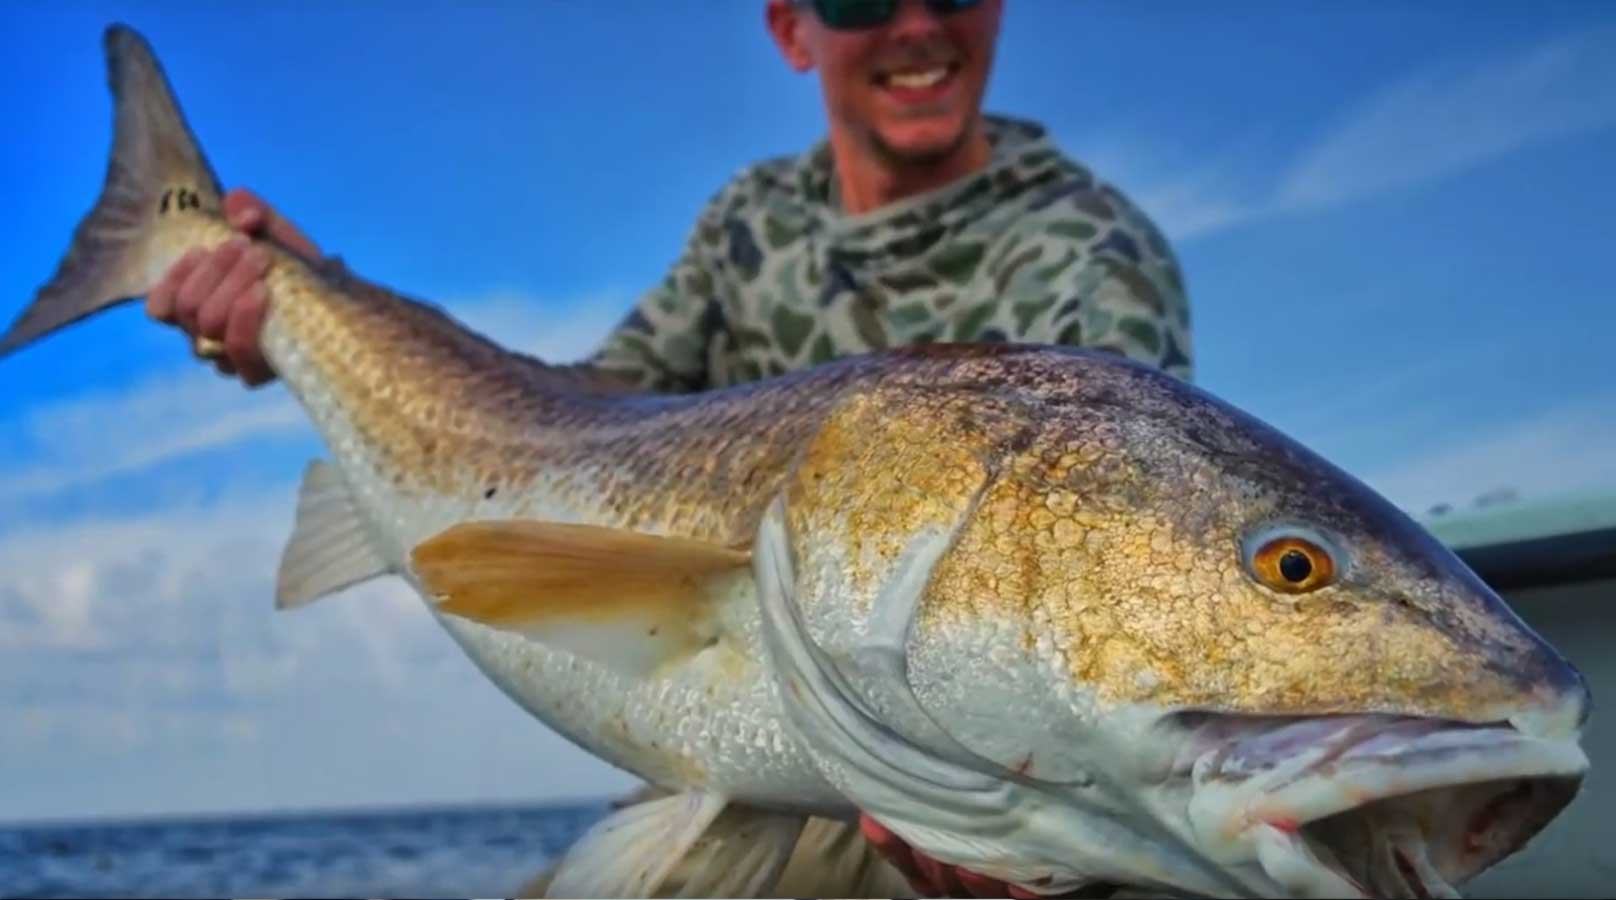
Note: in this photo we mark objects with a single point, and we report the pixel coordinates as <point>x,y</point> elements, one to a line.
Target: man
<point>919,219</point>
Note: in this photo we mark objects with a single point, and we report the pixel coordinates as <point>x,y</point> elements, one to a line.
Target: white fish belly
<point>713,723</point>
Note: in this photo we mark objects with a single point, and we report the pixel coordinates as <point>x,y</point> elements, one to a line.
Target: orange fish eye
<point>1293,565</point>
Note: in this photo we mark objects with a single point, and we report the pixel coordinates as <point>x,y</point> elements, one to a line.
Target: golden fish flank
<point>874,474</point>
<point>425,421</point>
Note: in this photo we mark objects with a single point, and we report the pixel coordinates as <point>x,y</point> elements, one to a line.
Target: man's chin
<point>920,143</point>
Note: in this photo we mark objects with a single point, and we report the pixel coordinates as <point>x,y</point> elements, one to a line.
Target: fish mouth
<point>1371,806</point>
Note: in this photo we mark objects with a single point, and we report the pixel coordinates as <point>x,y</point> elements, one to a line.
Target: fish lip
<point>1387,757</point>
<point>1311,778</point>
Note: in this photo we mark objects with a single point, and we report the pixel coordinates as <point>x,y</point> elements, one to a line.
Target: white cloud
<point>1187,193</point>
<point>153,637</point>
<point>1565,451</point>
<point>1187,207</point>
<point>105,433</point>
<point>1434,123</point>
<point>1443,120</point>
<point>562,334</point>
<point>171,582</point>
<point>181,412</point>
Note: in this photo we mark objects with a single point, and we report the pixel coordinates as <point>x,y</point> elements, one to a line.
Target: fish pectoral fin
<point>631,600</point>
<point>330,548</point>
<point>632,852</point>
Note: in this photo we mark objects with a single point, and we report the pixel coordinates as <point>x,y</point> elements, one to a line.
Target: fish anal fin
<point>330,548</point>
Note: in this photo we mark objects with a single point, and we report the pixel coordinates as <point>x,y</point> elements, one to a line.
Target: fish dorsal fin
<point>330,548</point>
<point>630,600</point>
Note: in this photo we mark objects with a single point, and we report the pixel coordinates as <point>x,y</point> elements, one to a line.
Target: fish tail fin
<point>155,176</point>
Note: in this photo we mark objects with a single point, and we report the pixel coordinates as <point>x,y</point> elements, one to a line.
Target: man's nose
<point>914,20</point>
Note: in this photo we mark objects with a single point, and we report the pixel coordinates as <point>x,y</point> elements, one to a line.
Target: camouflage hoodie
<point>1033,248</point>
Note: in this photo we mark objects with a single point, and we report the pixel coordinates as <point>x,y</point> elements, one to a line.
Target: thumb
<point>245,210</point>
<point>249,213</point>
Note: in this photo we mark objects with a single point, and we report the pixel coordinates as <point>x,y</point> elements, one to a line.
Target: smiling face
<point>907,91</point>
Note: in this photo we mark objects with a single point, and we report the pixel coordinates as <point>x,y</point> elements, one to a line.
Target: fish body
<point>1043,612</point>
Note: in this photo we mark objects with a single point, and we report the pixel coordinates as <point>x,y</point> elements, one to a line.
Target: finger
<point>161,298</point>
<point>200,284</point>
<point>245,210</point>
<point>291,237</point>
<point>224,366</point>
<point>892,849</point>
<point>248,212</point>
<point>241,336</point>
<point>884,841</point>
<point>876,833</point>
<point>981,885</point>
<point>250,267</point>
<point>258,378</point>
<point>941,880</point>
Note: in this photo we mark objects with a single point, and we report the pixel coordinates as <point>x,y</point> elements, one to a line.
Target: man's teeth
<point>923,79</point>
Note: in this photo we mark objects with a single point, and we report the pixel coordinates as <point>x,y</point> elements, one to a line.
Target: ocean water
<point>425,853</point>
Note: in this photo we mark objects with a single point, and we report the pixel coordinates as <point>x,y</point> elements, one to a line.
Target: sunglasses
<point>852,15</point>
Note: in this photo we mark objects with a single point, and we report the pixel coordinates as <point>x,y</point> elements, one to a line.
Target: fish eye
<point>1291,562</point>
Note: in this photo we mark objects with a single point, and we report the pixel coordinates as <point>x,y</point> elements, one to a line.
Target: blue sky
<point>1394,219</point>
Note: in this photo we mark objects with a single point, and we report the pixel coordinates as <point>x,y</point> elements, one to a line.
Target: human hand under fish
<point>1046,615</point>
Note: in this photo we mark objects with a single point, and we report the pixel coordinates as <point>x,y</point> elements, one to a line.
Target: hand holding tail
<point>218,296</point>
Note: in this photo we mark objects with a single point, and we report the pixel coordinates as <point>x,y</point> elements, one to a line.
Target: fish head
<point>1183,650</point>
<point>1295,677</point>
<point>1269,582</point>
